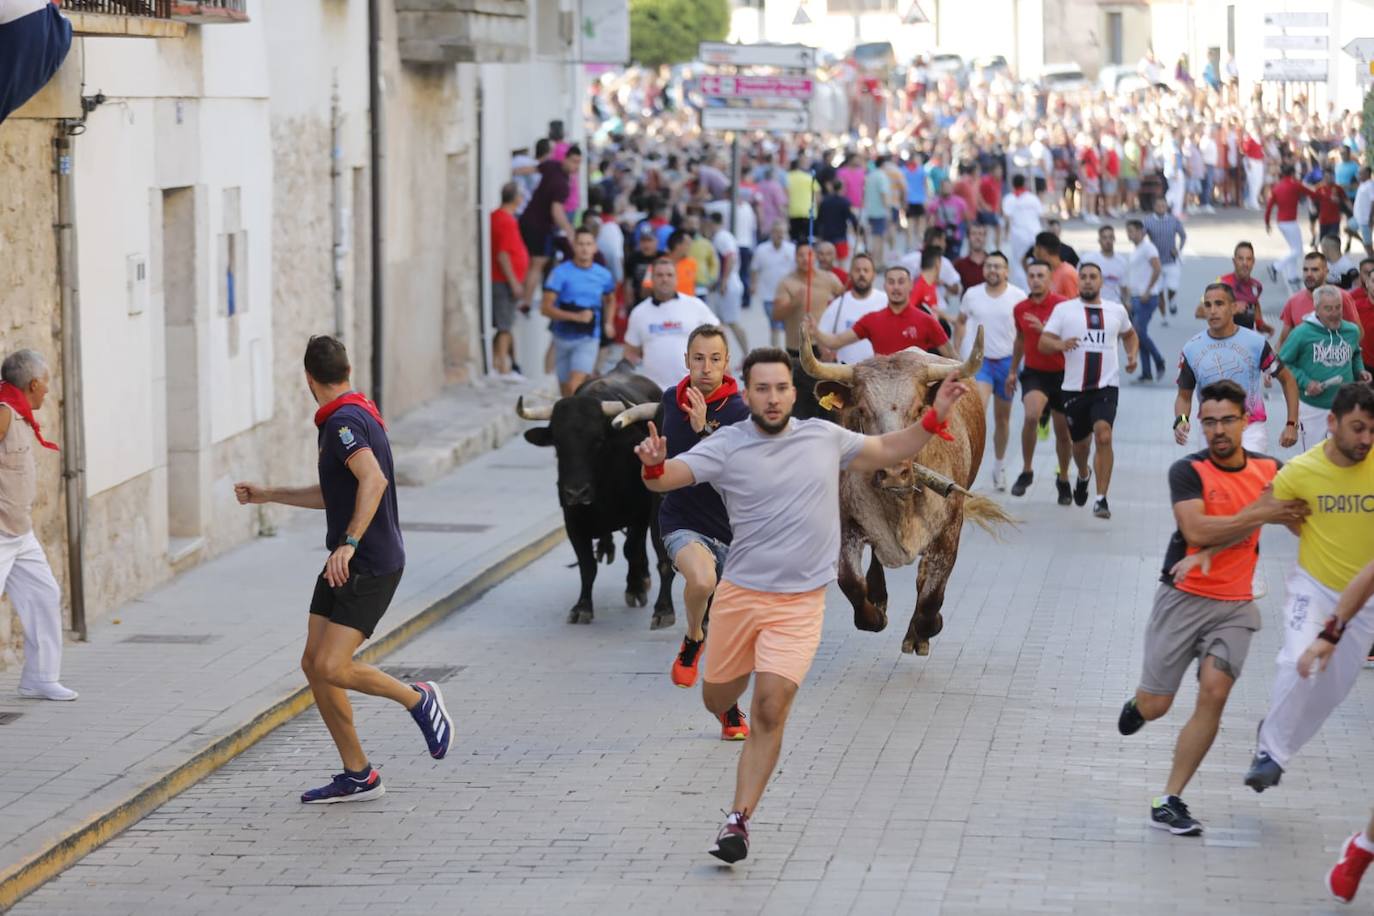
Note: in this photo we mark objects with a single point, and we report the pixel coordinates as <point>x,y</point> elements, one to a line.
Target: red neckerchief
<point>1018,191</point>
<point>11,395</point>
<point>727,387</point>
<point>344,400</point>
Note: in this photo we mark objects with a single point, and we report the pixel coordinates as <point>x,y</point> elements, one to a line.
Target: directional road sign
<point>794,57</point>
<point>787,120</point>
<point>1295,20</point>
<point>1294,70</point>
<point>1360,48</point>
<point>779,87</point>
<point>1295,42</point>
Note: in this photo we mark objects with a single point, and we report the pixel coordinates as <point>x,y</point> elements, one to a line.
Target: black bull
<point>600,490</point>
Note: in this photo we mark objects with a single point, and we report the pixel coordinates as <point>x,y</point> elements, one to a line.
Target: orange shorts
<point>762,631</point>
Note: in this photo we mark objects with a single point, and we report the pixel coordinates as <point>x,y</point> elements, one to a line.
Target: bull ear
<point>833,395</point>
<point>541,436</point>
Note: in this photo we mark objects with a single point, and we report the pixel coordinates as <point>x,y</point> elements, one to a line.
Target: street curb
<point>22,879</point>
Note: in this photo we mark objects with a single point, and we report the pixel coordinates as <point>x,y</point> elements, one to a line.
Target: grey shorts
<point>1184,626</point>
<point>502,307</point>
<point>679,538</point>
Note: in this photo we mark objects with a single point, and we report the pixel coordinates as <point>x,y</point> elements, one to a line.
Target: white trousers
<point>1298,706</point>
<point>1289,264</point>
<point>1311,424</point>
<point>1254,182</point>
<point>28,581</point>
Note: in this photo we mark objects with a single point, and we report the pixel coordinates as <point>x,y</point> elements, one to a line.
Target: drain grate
<point>411,673</point>
<point>7,717</point>
<point>444,527</point>
<point>172,639</point>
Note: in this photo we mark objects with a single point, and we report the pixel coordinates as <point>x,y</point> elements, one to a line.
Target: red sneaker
<point>1343,879</point>
<point>732,725</point>
<point>684,673</point>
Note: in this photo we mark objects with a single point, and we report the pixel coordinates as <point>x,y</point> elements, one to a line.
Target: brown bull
<point>915,510</point>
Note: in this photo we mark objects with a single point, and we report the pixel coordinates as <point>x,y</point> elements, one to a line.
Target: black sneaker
<point>1173,308</point>
<point>1130,721</point>
<point>1100,509</point>
<point>1264,772</point>
<point>1171,814</point>
<point>1065,493</point>
<point>1080,491</point>
<point>1023,480</point>
<point>732,843</point>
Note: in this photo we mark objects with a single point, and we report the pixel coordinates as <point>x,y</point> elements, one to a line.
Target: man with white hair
<point>24,572</point>
<point>1323,352</point>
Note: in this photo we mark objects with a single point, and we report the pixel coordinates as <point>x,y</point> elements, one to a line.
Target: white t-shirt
<point>770,264</point>
<point>1093,363</point>
<point>1113,272</point>
<point>725,244</point>
<point>994,315</point>
<point>746,224</point>
<point>610,241</point>
<point>661,330</point>
<point>1138,269</point>
<point>839,316</point>
<point>1364,202</point>
<point>1023,213</point>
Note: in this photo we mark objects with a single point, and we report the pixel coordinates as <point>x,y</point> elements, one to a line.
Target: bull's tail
<point>987,514</point>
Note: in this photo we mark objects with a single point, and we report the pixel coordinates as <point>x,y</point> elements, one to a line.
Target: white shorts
<point>727,303</point>
<point>1170,276</point>
<point>1311,424</point>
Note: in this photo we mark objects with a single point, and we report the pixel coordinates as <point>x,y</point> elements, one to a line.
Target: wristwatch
<point>351,541</point>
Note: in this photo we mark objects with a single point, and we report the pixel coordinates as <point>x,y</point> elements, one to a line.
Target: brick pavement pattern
<point>988,777</point>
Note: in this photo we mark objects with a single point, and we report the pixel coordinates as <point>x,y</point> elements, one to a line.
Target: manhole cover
<point>7,717</point>
<point>172,639</point>
<point>412,673</point>
<point>444,527</point>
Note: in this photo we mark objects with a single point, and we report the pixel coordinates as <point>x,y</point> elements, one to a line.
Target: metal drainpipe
<point>336,205</point>
<point>484,334</point>
<point>73,444</point>
<point>377,157</point>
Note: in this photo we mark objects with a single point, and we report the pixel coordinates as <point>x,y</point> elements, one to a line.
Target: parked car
<point>1120,79</point>
<point>1063,78</point>
<point>984,69</point>
<point>944,64</point>
<point>875,56</point>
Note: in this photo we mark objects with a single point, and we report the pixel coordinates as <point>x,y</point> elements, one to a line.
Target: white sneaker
<point>49,691</point>
<point>999,480</point>
<point>512,377</point>
<point>1258,586</point>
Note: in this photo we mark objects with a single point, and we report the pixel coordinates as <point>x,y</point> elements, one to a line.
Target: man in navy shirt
<point>692,521</point>
<point>357,492</point>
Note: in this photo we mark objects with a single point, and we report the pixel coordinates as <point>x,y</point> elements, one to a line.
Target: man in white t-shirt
<point>1022,211</point>
<point>989,306</point>
<point>1140,295</point>
<point>1086,330</point>
<point>656,336</point>
<point>772,261</point>
<point>1112,262</point>
<point>726,296</point>
<point>860,299</point>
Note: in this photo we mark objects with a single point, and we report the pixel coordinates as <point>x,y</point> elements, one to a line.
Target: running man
<point>902,324</point>
<point>1324,353</point>
<point>1206,612</point>
<point>856,302</point>
<point>1246,288</point>
<point>357,492</point>
<point>1284,198</point>
<point>768,609</point>
<point>991,306</point>
<point>1086,330</point>
<point>1334,543</point>
<point>692,521</point>
<point>1042,382</point>
<point>1168,235</point>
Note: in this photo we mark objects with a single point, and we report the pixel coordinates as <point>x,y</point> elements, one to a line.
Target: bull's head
<point>887,393</point>
<point>577,429</point>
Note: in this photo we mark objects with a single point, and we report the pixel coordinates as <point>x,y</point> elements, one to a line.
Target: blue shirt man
<point>579,288</point>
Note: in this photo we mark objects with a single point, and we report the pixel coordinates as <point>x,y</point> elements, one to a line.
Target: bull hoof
<point>872,619</point>
<point>636,599</point>
<point>918,646</point>
<point>580,615</point>
<point>662,620</point>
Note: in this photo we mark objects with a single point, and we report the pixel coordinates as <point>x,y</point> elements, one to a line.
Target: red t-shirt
<point>841,276</point>
<point>1299,306</point>
<point>1088,159</point>
<point>1064,280</point>
<point>1285,197</point>
<point>1329,199</point>
<point>505,236</point>
<point>890,331</point>
<point>990,189</point>
<point>1365,309</point>
<point>970,272</point>
<point>924,294</point>
<point>1112,164</point>
<point>1034,359</point>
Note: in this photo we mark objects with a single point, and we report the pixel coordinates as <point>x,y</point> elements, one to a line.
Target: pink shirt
<point>853,181</point>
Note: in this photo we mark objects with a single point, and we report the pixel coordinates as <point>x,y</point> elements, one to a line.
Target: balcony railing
<point>207,12</point>
<point>132,18</point>
<point>152,9</point>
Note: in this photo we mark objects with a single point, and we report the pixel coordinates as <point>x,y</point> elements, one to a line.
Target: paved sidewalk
<point>192,662</point>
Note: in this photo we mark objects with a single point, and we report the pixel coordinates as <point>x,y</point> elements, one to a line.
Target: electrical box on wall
<point>136,283</point>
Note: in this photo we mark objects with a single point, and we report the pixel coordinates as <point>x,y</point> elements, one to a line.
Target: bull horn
<point>612,408</point>
<point>968,369</point>
<point>636,414</point>
<point>822,372</point>
<point>537,413</point>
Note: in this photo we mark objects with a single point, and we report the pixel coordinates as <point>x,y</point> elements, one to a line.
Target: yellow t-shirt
<point>800,186</point>
<point>1337,539</point>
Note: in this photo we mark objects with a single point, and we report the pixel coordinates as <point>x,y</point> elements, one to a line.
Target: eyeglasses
<point>1214,422</point>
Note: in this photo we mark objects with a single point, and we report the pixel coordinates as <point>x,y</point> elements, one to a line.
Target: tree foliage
<point>668,31</point>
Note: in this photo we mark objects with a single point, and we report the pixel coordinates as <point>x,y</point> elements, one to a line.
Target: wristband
<point>653,471</point>
<point>1332,631</point>
<point>1291,423</point>
<point>935,426</point>
<point>1180,420</point>
<point>351,541</point>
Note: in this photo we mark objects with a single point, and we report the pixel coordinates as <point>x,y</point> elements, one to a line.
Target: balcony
<point>210,12</point>
<point>122,18</point>
<point>462,31</point>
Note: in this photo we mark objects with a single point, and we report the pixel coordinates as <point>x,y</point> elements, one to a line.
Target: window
<point>1230,28</point>
<point>1115,44</point>
<point>233,257</point>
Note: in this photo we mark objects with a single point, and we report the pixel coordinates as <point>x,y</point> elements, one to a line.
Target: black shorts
<point>1051,383</point>
<point>358,603</point>
<point>985,218</point>
<point>1040,184</point>
<point>915,211</point>
<point>538,244</point>
<point>1085,409</point>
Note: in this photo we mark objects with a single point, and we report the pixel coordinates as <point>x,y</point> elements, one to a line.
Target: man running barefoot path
<point>357,492</point>
<point>766,619</point>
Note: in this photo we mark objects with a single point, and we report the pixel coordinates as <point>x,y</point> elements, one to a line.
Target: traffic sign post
<point>781,119</point>
<point>1296,70</point>
<point>754,87</point>
<point>1295,20</point>
<point>788,57</point>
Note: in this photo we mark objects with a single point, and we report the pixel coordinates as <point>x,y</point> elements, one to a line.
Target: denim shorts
<point>994,372</point>
<point>679,538</point>
<point>575,354</point>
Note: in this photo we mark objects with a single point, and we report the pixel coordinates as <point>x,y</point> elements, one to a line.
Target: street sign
<point>1364,73</point>
<point>1360,48</point>
<point>753,87</point>
<point>779,119</point>
<point>1295,42</point>
<point>915,15</point>
<point>794,57</point>
<point>1294,70</point>
<point>1295,20</point>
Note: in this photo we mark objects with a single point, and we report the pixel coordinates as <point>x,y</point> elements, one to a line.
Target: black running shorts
<point>358,603</point>
<point>1085,409</point>
<point>1051,384</point>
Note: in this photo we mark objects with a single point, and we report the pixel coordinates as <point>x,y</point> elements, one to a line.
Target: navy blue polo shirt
<point>349,431</point>
<point>698,507</point>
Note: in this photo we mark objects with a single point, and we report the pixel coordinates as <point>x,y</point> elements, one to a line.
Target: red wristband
<point>653,471</point>
<point>935,426</point>
<point>1333,630</point>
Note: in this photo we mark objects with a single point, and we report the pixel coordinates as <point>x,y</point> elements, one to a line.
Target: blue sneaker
<point>433,719</point>
<point>347,788</point>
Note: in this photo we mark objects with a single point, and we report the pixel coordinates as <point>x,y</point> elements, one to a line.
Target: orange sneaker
<point>684,673</point>
<point>732,725</point>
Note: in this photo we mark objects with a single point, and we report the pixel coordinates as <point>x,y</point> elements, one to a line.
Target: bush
<point>668,31</point>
